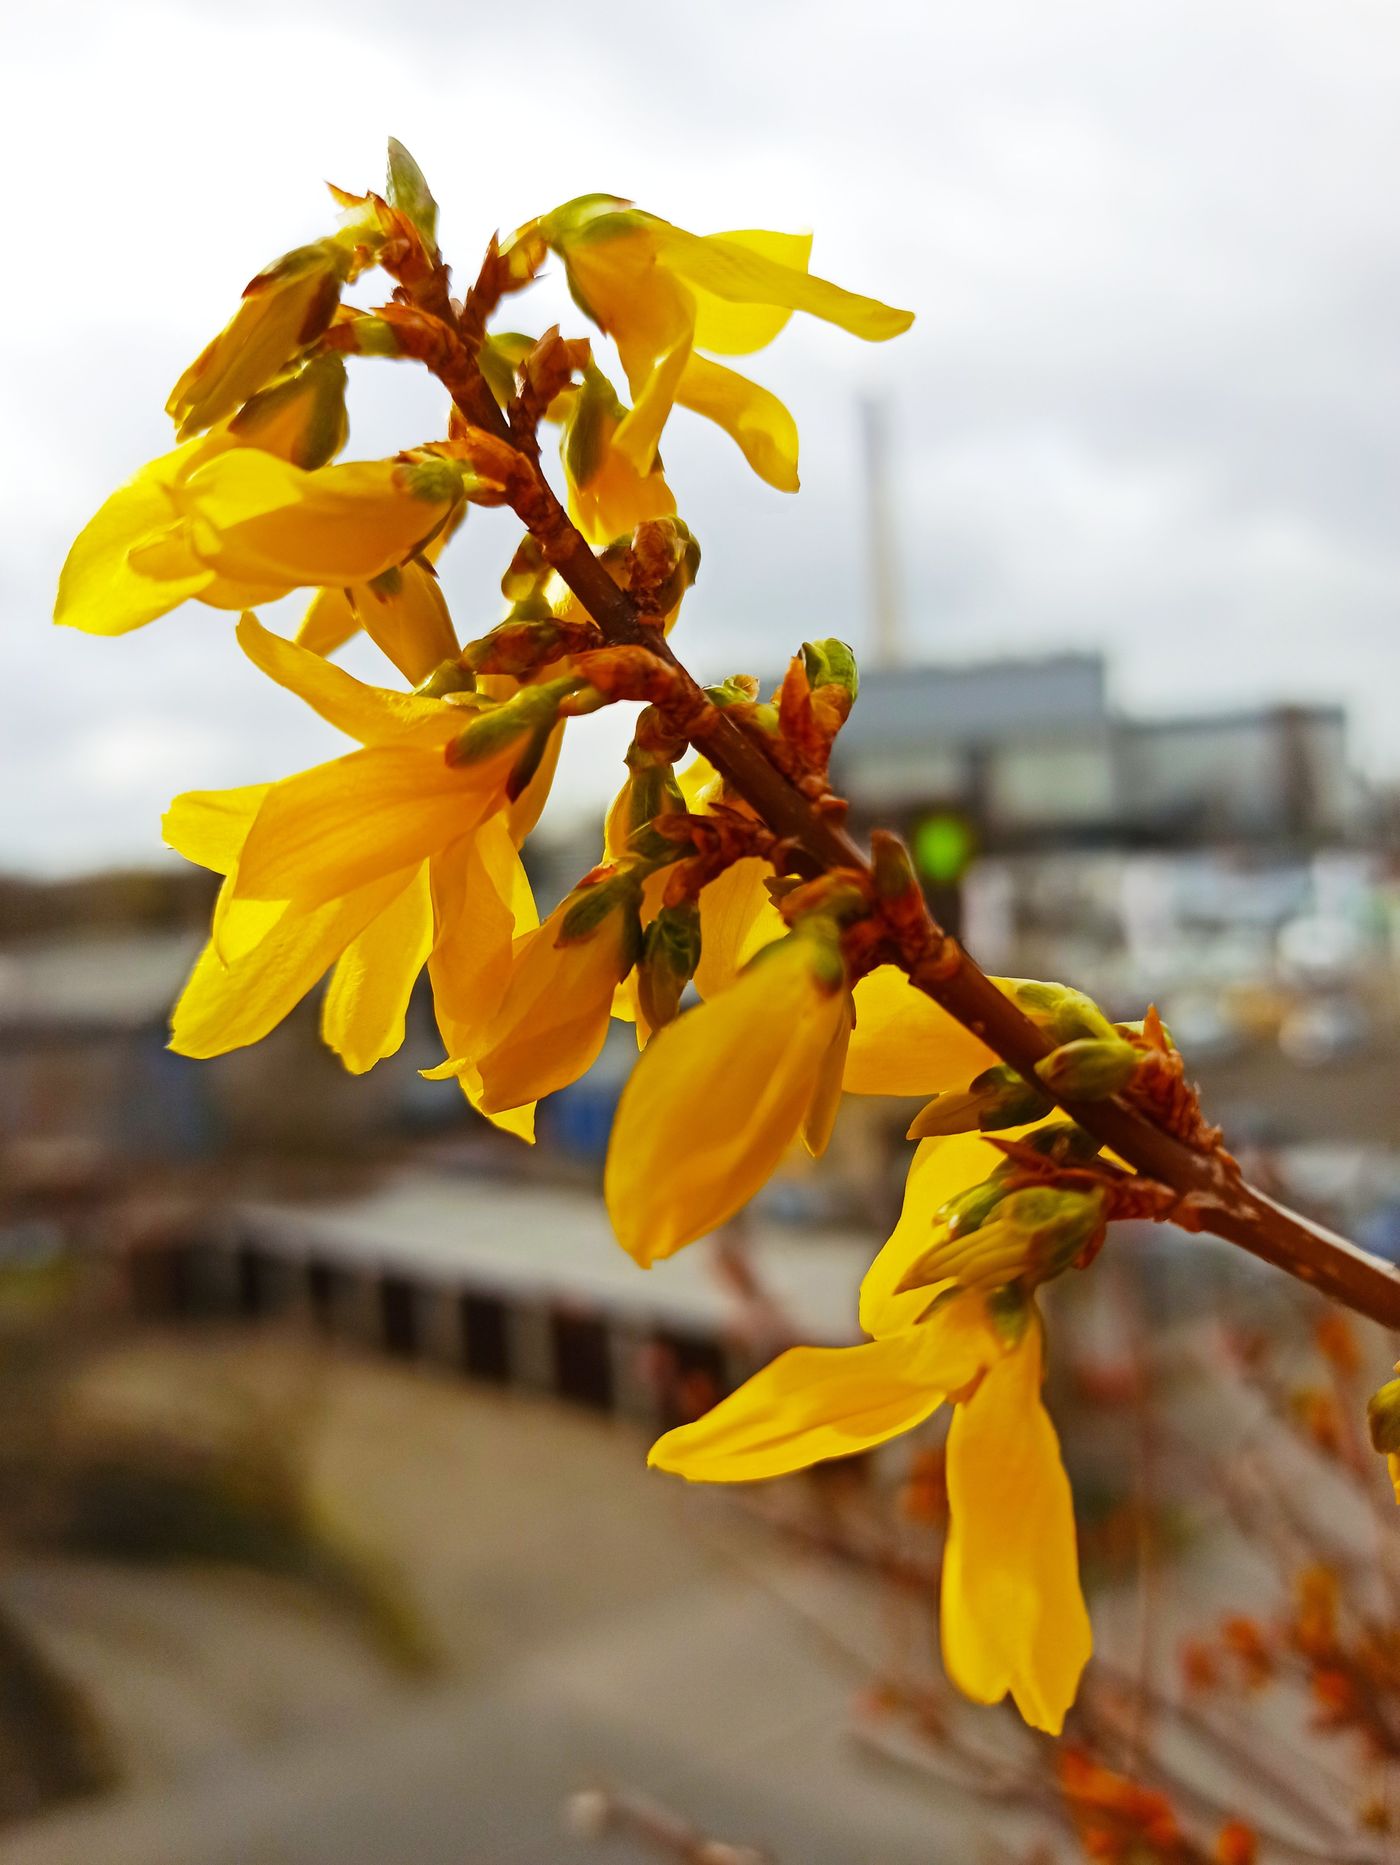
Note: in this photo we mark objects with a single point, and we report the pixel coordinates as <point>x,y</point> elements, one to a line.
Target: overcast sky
<point>1151,403</point>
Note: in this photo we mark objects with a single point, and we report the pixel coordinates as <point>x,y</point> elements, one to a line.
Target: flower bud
<point>996,1098</point>
<point>284,309</point>
<point>740,689</point>
<point>831,663</point>
<point>971,1208</point>
<point>529,710</point>
<point>1028,1236</point>
<point>1089,1069</point>
<point>1063,1014</point>
<point>554,1015</point>
<point>404,613</point>
<point>892,868</point>
<point>670,953</point>
<point>301,419</point>
<point>409,192</point>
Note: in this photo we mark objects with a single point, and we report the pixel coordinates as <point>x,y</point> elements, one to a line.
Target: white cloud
<point>1150,403</point>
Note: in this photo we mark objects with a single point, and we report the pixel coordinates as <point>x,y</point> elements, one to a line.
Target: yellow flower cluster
<point>404,853</point>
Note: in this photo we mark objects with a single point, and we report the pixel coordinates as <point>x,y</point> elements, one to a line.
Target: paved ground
<point>594,1621</point>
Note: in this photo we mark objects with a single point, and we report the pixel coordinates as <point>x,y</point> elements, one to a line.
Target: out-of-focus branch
<point>601,1812</point>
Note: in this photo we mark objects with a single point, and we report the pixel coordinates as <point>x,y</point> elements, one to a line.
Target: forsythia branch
<point>1212,1195</point>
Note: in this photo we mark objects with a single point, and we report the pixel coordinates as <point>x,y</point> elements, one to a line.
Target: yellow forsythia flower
<point>609,496</point>
<point>301,418</point>
<point>403,611</point>
<point>737,920</point>
<point>235,527</point>
<point>1013,1616</point>
<point>407,616</point>
<point>553,1018</point>
<point>285,308</point>
<point>719,1095</point>
<point>254,518</point>
<point>436,878</point>
<point>940,1169</point>
<point>663,294</point>
<point>100,593</point>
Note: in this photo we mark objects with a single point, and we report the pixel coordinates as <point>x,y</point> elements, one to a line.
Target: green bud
<point>996,1098</point>
<point>596,412</point>
<point>1026,1237</point>
<point>589,907</point>
<point>374,337</point>
<point>738,690</point>
<point>891,866</point>
<point>971,1209</point>
<point>1383,1417</point>
<point>529,761</point>
<point>830,663</point>
<point>533,709</point>
<point>1063,1014</point>
<point>435,480</point>
<point>409,192</point>
<point>1089,1069</point>
<point>1064,1142</point>
<point>670,953</point>
<point>499,357</point>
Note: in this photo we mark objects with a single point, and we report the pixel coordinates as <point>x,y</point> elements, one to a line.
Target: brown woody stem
<point>1208,1188</point>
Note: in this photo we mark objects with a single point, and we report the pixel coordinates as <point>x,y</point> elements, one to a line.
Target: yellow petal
<point>731,329</point>
<point>210,826</point>
<point>481,901</point>
<point>939,1170</point>
<point>701,784</point>
<point>405,614</point>
<point>328,623</point>
<point>98,590</point>
<point>741,275</point>
<point>330,618</point>
<point>737,919</point>
<point>375,715</point>
<point>820,1118</point>
<point>812,1403</point>
<point>654,371</point>
<point>481,904</point>
<point>254,518</point>
<point>366,1002</point>
<point>906,1044</point>
<point>239,925</point>
<point>553,1019</point>
<point>716,1099</point>
<point>226,1006</point>
<point>753,417</point>
<point>341,825</point>
<point>617,498</point>
<point>1013,1615</point>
